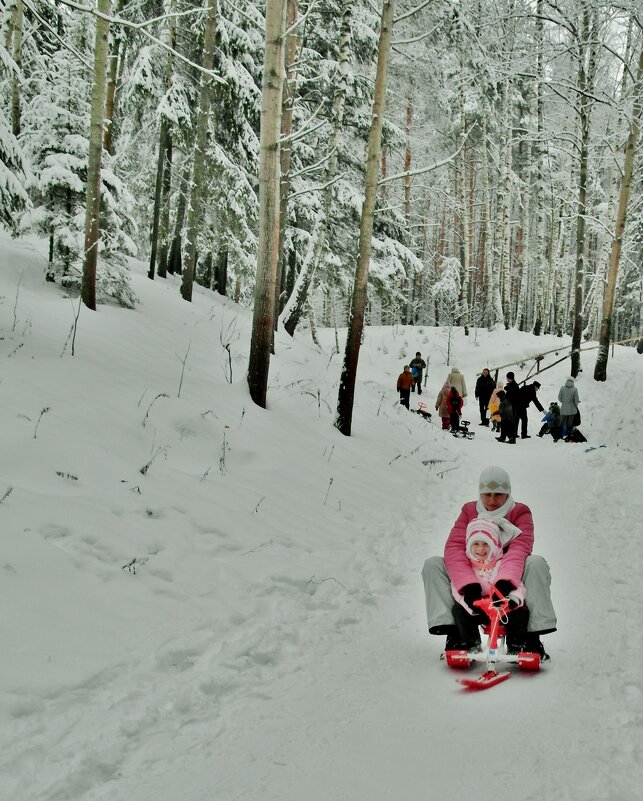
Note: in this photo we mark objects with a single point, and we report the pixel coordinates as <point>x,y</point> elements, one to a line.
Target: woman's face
<point>493,500</point>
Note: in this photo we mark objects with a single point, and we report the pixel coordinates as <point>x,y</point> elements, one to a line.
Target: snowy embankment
<point>207,600</point>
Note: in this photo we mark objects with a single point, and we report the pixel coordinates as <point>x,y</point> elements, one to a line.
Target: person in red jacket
<point>405,381</point>
<point>516,526</point>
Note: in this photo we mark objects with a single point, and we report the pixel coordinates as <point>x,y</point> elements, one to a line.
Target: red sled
<point>496,608</point>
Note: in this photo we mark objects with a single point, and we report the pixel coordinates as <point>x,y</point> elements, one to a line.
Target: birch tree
<point>586,44</point>
<point>92,211</point>
<point>269,175</point>
<point>197,185</point>
<point>348,377</point>
<point>600,368</point>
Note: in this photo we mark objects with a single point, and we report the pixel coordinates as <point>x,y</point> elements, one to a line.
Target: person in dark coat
<point>512,391</point>
<point>526,395</point>
<point>507,429</point>
<point>552,422</point>
<point>417,365</point>
<point>485,386</point>
<point>454,405</point>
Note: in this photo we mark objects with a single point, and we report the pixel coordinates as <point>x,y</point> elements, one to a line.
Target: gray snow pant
<point>439,598</point>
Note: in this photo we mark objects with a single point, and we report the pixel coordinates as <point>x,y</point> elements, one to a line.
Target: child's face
<point>480,549</point>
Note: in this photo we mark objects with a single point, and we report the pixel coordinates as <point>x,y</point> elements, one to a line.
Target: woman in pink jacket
<point>516,528</point>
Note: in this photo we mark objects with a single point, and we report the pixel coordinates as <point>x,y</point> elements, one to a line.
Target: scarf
<point>508,531</point>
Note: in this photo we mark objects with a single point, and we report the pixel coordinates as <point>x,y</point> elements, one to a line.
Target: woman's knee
<point>433,566</point>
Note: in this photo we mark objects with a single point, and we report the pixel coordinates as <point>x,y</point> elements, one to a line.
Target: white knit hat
<point>481,530</point>
<point>495,479</point>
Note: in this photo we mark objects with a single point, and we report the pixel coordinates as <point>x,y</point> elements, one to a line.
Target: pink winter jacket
<point>457,562</point>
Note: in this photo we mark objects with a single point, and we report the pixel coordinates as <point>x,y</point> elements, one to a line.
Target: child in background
<point>454,404</point>
<point>552,422</point>
<point>441,405</point>
<point>494,407</point>
<point>507,427</point>
<point>485,551</point>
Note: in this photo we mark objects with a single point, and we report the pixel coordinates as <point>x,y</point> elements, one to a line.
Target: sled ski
<point>496,608</point>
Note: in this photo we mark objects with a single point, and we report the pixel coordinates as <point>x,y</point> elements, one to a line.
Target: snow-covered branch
<point>317,188</point>
<point>417,38</point>
<point>57,36</point>
<point>140,26</point>
<point>302,20</point>
<point>422,170</point>
<point>413,11</point>
<point>314,167</point>
<point>293,137</point>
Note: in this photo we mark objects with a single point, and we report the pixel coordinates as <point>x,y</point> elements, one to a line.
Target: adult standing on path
<point>418,364</point>
<point>456,379</point>
<point>485,386</point>
<point>526,396</point>
<point>516,525</point>
<point>569,400</point>
<point>512,391</point>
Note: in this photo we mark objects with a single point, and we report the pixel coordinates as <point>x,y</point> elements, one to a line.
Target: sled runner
<point>463,430</point>
<point>495,651</point>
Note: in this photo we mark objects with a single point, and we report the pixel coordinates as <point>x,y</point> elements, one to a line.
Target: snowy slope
<point>207,600</point>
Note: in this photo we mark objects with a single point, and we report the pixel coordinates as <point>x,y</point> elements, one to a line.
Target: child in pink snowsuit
<point>485,551</point>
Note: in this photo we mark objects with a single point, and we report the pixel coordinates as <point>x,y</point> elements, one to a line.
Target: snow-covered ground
<point>208,601</point>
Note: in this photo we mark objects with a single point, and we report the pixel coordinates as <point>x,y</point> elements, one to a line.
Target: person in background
<point>513,396</point>
<point>494,407</point>
<point>507,423</point>
<point>441,406</point>
<point>526,395</point>
<point>454,404</point>
<point>417,365</point>
<point>569,400</point>
<point>485,386</point>
<point>404,383</point>
<point>516,525</point>
<point>456,379</point>
<point>552,422</point>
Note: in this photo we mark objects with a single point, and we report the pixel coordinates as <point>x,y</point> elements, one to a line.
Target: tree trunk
<point>17,25</point>
<point>539,259</point>
<point>200,144</point>
<point>600,369</point>
<point>164,220</point>
<point>586,67</point>
<point>175,262</point>
<point>112,83</point>
<point>268,239</point>
<point>162,167</point>
<point>164,158</point>
<point>348,377</point>
<point>92,210</point>
<point>288,101</point>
